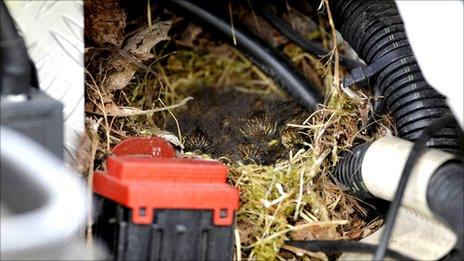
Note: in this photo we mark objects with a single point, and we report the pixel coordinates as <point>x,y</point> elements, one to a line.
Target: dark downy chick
<point>245,127</point>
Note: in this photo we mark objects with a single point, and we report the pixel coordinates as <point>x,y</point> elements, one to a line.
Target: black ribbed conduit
<point>348,172</point>
<point>262,54</point>
<point>445,197</point>
<point>374,29</point>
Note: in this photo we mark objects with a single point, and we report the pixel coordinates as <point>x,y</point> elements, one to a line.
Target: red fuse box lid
<point>147,146</point>
<point>164,169</point>
<point>146,183</point>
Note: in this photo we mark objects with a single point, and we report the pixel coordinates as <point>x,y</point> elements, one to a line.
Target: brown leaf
<point>189,35</point>
<point>247,230</point>
<point>364,112</point>
<point>263,28</point>
<point>299,22</point>
<point>140,44</point>
<point>312,74</point>
<point>372,227</point>
<point>105,22</point>
<point>354,233</point>
<point>123,65</point>
<point>314,233</point>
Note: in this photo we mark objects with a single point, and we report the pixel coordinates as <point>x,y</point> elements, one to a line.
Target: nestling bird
<point>237,125</point>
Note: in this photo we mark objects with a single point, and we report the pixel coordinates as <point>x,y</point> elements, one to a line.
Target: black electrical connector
<point>173,235</point>
<point>15,69</point>
<point>25,109</point>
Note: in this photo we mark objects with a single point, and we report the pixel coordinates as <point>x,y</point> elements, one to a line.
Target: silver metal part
<point>14,98</point>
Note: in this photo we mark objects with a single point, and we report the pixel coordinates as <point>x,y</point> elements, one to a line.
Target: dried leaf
<point>263,28</point>
<point>315,233</point>
<point>299,22</point>
<point>123,65</point>
<point>190,34</point>
<point>246,230</point>
<point>105,22</point>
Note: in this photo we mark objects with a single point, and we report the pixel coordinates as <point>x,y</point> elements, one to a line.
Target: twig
<point>132,111</point>
<point>149,14</point>
<point>255,18</point>
<point>232,23</point>
<point>105,116</point>
<point>93,151</point>
<point>175,119</point>
<point>296,228</point>
<point>335,46</point>
<point>300,195</point>
<point>238,245</point>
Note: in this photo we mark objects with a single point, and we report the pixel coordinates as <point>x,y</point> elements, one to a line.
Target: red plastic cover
<point>145,181</point>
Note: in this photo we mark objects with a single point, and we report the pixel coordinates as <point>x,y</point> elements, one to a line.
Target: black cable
<point>261,53</point>
<point>415,153</point>
<point>337,246</point>
<point>308,46</point>
<point>363,74</point>
<point>7,25</point>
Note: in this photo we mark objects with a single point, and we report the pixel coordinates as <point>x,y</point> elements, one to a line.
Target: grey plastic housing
<point>38,116</point>
<point>42,203</point>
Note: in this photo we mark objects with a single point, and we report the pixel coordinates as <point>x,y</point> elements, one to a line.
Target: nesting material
<point>279,154</point>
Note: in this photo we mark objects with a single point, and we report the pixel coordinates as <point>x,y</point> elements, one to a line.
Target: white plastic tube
<point>383,165</point>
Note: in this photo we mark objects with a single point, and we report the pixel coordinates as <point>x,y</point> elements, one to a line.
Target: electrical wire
<point>308,46</point>
<point>416,152</point>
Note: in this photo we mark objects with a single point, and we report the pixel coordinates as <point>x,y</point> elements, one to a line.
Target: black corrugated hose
<point>375,29</point>
<point>445,194</point>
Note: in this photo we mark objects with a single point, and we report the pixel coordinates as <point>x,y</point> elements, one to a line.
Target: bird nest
<point>279,154</point>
